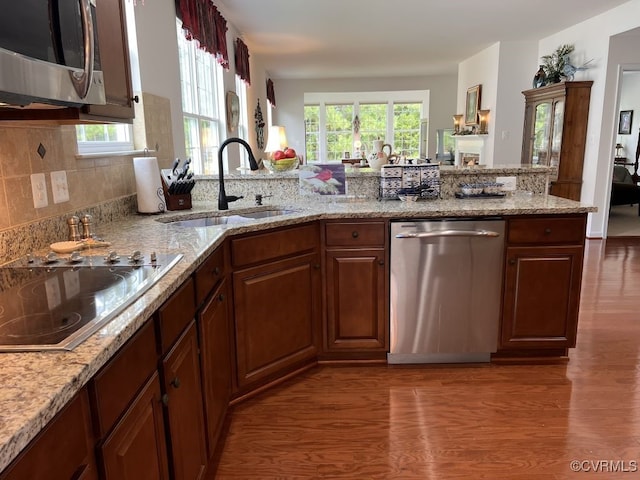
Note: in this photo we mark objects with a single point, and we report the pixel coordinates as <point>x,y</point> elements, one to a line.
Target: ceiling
<point>299,39</point>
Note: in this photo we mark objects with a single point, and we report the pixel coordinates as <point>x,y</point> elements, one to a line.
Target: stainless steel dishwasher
<point>445,287</point>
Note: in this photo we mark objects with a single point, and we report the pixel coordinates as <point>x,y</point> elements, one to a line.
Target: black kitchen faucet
<point>223,199</point>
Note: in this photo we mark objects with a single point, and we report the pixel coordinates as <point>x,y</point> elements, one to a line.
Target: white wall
<point>290,100</point>
<point>481,69</point>
<point>517,65</point>
<point>592,41</point>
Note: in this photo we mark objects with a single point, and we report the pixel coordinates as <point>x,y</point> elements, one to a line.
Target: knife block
<point>179,201</point>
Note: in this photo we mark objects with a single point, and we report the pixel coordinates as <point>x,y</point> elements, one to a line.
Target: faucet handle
<point>259,198</point>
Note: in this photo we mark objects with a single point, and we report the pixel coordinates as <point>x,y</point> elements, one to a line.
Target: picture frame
<point>626,119</point>
<point>472,105</point>
<point>233,111</point>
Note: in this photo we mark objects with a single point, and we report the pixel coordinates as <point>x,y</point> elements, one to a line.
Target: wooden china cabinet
<point>555,133</point>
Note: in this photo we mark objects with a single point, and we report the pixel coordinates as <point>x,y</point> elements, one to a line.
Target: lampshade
<point>277,139</point>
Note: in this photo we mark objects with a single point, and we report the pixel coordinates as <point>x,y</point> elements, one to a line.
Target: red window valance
<point>271,94</point>
<point>201,21</point>
<point>242,61</point>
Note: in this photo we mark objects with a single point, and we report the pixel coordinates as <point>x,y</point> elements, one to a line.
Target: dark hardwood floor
<point>498,422</point>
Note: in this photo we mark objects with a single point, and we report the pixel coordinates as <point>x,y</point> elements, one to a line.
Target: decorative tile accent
<point>41,151</point>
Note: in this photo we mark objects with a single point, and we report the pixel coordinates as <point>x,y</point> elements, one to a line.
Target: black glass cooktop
<point>55,304</point>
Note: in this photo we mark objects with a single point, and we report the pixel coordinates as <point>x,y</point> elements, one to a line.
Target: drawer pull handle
<point>165,399</point>
<point>216,271</point>
<point>316,266</point>
<point>547,231</point>
<point>355,234</point>
<point>175,383</point>
<point>380,262</point>
<point>221,297</point>
<point>512,261</point>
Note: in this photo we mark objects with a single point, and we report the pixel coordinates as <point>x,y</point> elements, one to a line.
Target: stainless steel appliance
<point>445,286</point>
<point>56,303</point>
<point>49,53</point>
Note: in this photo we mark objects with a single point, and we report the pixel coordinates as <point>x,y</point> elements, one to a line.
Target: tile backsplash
<point>103,186</point>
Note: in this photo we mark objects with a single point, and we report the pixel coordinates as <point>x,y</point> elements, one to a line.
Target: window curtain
<point>271,94</point>
<point>242,61</point>
<point>201,21</point>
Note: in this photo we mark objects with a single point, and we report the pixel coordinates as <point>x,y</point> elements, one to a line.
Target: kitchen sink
<point>214,219</point>
<point>267,213</point>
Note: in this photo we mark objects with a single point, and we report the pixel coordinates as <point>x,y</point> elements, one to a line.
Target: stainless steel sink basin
<point>210,221</point>
<point>213,220</point>
<point>267,213</point>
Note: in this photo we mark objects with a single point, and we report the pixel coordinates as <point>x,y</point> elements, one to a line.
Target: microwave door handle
<point>82,80</point>
<point>449,233</point>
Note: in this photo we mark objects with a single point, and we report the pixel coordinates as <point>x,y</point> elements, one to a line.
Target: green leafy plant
<point>554,63</point>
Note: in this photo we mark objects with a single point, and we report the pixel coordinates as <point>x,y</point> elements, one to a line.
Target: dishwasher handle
<point>449,233</point>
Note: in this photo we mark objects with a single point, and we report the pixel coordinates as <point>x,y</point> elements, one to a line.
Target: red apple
<point>290,153</point>
<point>278,155</point>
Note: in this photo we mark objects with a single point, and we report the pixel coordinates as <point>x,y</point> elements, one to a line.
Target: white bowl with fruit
<point>281,161</point>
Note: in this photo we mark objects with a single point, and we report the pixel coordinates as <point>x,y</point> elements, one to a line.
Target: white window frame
<point>219,111</point>
<point>389,97</point>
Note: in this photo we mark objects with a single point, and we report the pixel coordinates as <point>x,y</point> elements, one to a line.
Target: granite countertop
<point>36,385</point>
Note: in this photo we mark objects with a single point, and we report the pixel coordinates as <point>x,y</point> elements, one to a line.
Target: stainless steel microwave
<point>49,53</point>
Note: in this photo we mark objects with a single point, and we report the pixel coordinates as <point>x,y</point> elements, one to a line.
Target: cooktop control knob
<point>136,257</point>
<point>50,257</point>
<point>154,257</point>
<point>112,257</point>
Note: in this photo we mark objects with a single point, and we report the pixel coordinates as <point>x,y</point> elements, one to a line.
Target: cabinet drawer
<point>355,234</point>
<point>268,246</point>
<point>175,314</point>
<point>547,230</point>
<point>209,274</point>
<point>117,383</point>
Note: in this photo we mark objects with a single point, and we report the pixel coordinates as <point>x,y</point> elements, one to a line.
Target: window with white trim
<point>343,123</point>
<point>202,112</point>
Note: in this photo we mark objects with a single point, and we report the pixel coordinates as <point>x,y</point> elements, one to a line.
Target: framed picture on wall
<point>472,106</point>
<point>626,119</point>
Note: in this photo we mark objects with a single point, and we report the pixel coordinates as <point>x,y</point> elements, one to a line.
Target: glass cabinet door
<point>541,130</point>
<point>556,136</point>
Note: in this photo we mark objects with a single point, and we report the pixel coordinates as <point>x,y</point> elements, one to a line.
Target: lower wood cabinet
<point>277,316</point>
<point>541,297</point>
<point>63,450</point>
<point>356,324</point>
<point>216,362</point>
<point>355,300</point>
<point>136,448</point>
<point>181,382</point>
<point>542,283</point>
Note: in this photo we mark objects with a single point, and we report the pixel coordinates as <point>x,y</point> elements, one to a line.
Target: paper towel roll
<point>148,185</point>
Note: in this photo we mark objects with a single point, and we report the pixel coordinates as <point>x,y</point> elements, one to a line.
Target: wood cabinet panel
<point>136,449</point>
<point>282,243</point>
<point>216,362</point>
<point>175,314</point>
<point>277,314</point>
<point>63,450</point>
<point>355,299</point>
<point>181,382</point>
<point>114,58</point>
<point>116,384</point>
<point>541,297</point>
<point>355,234</point>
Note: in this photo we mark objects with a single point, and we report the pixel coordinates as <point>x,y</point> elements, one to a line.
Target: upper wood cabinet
<point>555,132</point>
<point>114,62</point>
